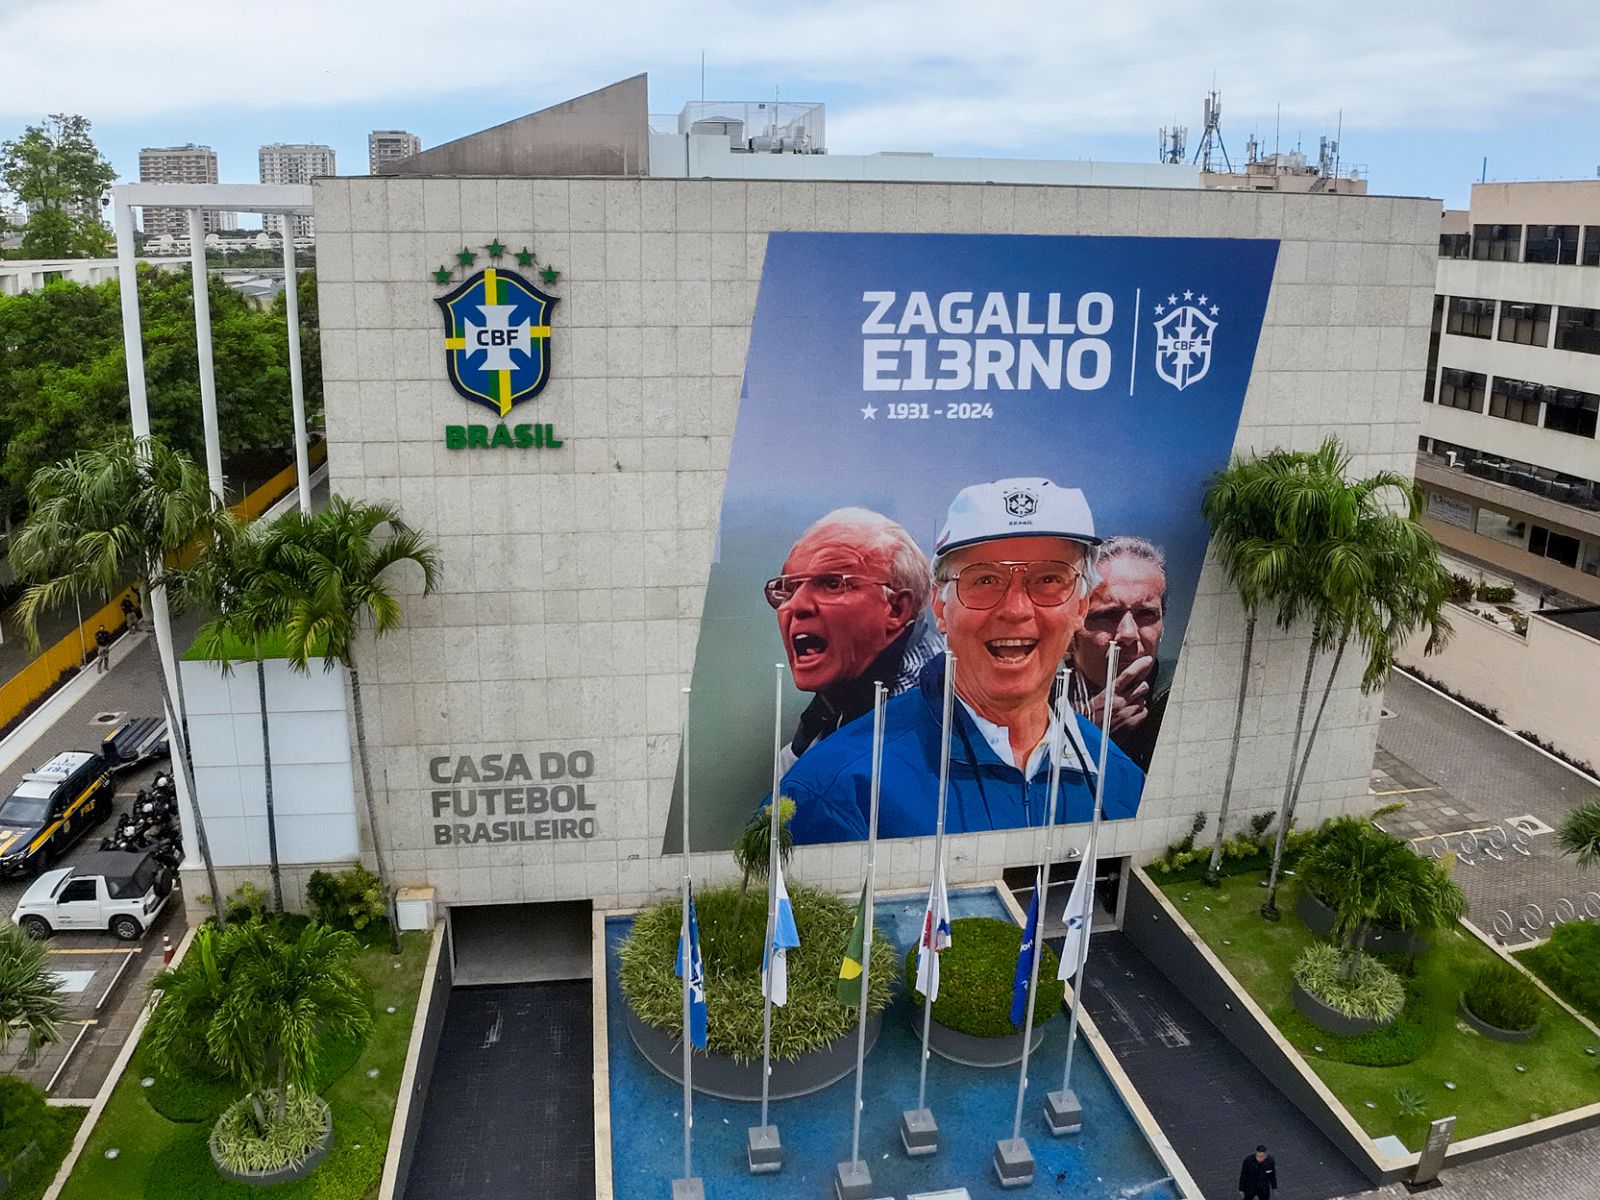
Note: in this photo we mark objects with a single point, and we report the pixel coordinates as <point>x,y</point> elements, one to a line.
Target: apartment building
<point>298,162</point>
<point>180,164</point>
<point>1508,457</point>
<point>386,146</point>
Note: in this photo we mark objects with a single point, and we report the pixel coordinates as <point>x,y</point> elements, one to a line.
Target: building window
<point>1513,531</point>
<point>1552,244</point>
<point>1547,543</point>
<point>1528,324</point>
<point>1497,243</point>
<point>1471,317</point>
<point>1578,329</point>
<point>1591,559</point>
<point>1568,411</point>
<point>1462,389</point>
<point>1591,246</point>
<point>1432,376</point>
<point>1515,400</point>
<point>1455,245</point>
<point>1541,481</point>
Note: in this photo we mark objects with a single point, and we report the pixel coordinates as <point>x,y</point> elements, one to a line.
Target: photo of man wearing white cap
<point>1013,569</point>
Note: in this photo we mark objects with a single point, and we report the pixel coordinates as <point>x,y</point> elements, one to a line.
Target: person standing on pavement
<point>1258,1176</point>
<point>102,650</point>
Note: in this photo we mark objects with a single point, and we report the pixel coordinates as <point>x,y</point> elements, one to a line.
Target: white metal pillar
<point>202,342</point>
<point>297,391</point>
<point>132,336</point>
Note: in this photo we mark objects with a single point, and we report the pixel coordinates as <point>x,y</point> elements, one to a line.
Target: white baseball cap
<point>987,512</point>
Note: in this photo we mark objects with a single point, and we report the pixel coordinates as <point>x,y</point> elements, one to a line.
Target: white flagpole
<point>1043,894</point>
<point>1089,861</point>
<point>938,853</point>
<point>687,964</point>
<point>772,887</point>
<point>878,696</point>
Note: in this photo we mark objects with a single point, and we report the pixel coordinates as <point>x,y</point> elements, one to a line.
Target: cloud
<point>920,74</point>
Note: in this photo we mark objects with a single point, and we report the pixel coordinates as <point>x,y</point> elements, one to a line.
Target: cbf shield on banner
<point>992,443</point>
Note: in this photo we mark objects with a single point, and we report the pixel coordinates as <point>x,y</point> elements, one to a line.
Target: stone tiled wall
<point>574,578</point>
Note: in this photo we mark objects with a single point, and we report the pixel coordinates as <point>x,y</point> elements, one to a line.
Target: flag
<point>785,937</point>
<point>854,952</point>
<point>935,938</point>
<point>697,978</point>
<point>1079,908</point>
<point>1019,986</point>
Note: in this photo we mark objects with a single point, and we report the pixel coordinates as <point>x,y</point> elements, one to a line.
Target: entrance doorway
<point>520,943</point>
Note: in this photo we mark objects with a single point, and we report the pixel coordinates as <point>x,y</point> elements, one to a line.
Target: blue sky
<point>1427,89</point>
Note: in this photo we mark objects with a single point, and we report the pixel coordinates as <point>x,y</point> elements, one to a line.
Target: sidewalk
<point>1568,1169</point>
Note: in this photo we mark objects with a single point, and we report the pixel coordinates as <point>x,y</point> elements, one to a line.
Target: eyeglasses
<point>828,587</point>
<point>1109,620</point>
<point>1048,584</point>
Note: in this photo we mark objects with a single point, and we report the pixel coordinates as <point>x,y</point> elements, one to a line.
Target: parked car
<point>109,890</point>
<point>52,808</point>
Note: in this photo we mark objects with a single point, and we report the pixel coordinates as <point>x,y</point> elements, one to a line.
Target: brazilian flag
<point>854,953</point>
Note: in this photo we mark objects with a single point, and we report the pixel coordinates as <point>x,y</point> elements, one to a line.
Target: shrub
<point>247,902</point>
<point>242,1144</point>
<point>351,899</point>
<point>1353,985</point>
<point>25,1119</point>
<point>1502,996</point>
<point>1409,1101</point>
<point>1570,963</point>
<point>1461,588</point>
<point>1495,593</point>
<point>976,975</point>
<point>733,931</point>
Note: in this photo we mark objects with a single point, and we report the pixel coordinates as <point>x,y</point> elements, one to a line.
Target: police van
<point>52,808</point>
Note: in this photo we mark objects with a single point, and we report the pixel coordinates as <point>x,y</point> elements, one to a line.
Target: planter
<point>1329,1019</point>
<point>285,1174</point>
<point>1319,918</point>
<point>1494,1031</point>
<point>728,1078</point>
<point>972,1051</point>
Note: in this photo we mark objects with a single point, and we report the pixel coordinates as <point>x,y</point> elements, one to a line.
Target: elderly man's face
<point>1008,654</point>
<point>832,636</point>
<point>1125,608</point>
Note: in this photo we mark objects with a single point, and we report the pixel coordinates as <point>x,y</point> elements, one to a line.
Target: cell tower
<point>1211,139</point>
<point>1173,143</point>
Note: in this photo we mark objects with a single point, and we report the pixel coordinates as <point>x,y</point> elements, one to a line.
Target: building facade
<point>180,164</point>
<point>385,146</point>
<point>576,574</point>
<point>284,162</point>
<point>1508,455</point>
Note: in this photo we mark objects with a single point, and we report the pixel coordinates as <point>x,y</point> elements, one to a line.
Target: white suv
<point>110,890</point>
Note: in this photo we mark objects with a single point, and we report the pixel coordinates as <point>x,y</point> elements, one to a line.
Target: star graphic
<point>1215,310</point>
<point>1188,295</point>
<point>549,274</point>
<point>869,412</point>
<point>1203,300</point>
<point>1160,308</point>
<point>442,275</point>
<point>524,257</point>
<point>466,258</point>
<point>495,249</point>
<point>1172,299</point>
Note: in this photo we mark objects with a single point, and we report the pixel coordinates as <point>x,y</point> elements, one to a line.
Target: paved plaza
<point>1566,1169</point>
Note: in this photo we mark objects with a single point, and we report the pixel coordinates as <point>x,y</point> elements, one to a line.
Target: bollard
<point>166,949</point>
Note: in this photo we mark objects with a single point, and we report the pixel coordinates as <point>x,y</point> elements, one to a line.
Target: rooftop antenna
<point>1173,143</point>
<point>702,77</point>
<point>1277,128</point>
<point>1212,137</point>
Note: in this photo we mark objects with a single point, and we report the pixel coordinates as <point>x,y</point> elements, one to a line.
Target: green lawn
<point>1490,1092</point>
<point>160,1159</point>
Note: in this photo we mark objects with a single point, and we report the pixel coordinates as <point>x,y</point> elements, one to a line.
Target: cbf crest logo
<point>1183,338</point>
<point>1021,504</point>
<point>497,339</point>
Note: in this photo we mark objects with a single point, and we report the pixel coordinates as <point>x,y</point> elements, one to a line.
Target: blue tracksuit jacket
<point>831,783</point>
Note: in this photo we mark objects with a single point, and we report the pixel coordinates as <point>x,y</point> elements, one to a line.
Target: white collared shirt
<point>999,739</point>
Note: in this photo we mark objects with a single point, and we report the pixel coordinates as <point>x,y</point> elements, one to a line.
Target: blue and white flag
<point>935,938</point>
<point>1025,952</point>
<point>1079,908</point>
<point>785,937</point>
<point>697,979</point>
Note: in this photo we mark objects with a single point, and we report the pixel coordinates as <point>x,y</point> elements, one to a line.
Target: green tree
<point>230,564</point>
<point>326,578</point>
<point>1579,833</point>
<point>30,991</point>
<point>103,516</point>
<point>59,173</point>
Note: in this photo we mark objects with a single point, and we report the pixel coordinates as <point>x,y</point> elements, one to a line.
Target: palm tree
<point>322,584</point>
<point>122,509</point>
<point>190,995</point>
<point>752,850</point>
<point>216,581</point>
<point>1239,505</point>
<point>1579,833</point>
<point>30,991</point>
